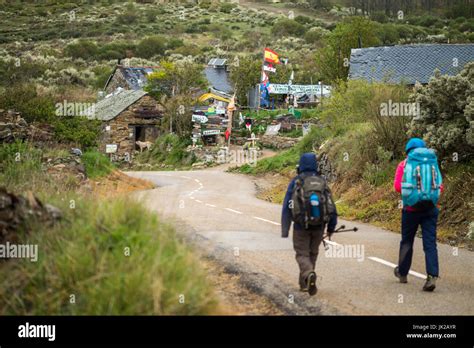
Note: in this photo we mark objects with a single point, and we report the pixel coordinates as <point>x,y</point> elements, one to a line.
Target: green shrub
<point>447,111</point>
<point>25,99</point>
<point>97,164</point>
<point>19,71</point>
<point>130,15</point>
<point>314,35</point>
<point>227,7</point>
<point>78,130</point>
<point>303,19</point>
<point>84,49</point>
<point>20,166</point>
<point>381,171</point>
<point>168,150</point>
<point>151,46</point>
<point>288,27</point>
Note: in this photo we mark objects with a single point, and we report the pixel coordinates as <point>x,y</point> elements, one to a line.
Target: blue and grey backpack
<point>421,183</point>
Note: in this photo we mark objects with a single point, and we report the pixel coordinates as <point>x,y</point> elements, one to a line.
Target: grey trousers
<point>306,244</point>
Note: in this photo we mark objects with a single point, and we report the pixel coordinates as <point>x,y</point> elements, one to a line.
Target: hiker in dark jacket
<point>306,241</point>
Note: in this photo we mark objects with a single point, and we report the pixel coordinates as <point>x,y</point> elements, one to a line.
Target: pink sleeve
<point>397,183</point>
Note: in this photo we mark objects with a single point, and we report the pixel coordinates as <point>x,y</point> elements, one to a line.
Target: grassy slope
<point>112,255</point>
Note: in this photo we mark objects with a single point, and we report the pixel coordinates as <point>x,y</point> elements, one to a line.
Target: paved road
<point>222,210</point>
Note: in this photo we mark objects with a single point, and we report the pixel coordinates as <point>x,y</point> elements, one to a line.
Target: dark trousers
<point>306,244</point>
<point>410,222</point>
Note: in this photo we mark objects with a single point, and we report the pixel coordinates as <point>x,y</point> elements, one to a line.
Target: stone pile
<point>70,165</point>
<point>17,212</point>
<point>278,142</point>
<point>13,127</point>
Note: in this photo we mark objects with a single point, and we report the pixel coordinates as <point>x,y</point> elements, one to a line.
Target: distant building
<point>127,116</point>
<point>217,76</point>
<point>408,63</point>
<point>130,78</point>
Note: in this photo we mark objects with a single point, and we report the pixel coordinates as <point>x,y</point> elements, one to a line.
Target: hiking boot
<point>430,284</point>
<point>403,279</point>
<point>312,289</point>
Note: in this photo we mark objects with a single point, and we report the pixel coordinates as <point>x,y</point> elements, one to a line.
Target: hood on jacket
<point>308,163</point>
<point>414,143</point>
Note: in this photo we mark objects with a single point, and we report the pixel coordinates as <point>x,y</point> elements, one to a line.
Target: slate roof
<point>217,62</point>
<point>112,105</point>
<point>408,63</point>
<point>136,77</point>
<point>218,79</point>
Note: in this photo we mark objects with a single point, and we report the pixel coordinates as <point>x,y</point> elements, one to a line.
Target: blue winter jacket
<point>308,165</point>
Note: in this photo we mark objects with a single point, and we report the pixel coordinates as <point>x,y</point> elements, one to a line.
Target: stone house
<point>127,116</point>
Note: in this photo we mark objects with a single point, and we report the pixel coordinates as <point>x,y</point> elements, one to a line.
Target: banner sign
<point>306,128</point>
<point>269,68</point>
<point>211,132</point>
<point>110,148</point>
<point>273,129</point>
<point>199,118</point>
<point>274,88</point>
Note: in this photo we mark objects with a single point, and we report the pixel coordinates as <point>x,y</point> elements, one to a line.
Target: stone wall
<point>278,142</point>
<point>121,127</point>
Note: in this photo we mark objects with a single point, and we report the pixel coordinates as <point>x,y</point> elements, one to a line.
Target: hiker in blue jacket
<point>421,214</point>
<point>306,239</point>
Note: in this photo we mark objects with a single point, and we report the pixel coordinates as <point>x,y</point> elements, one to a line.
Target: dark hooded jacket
<point>308,165</point>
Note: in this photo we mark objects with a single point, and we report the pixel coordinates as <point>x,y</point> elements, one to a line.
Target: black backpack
<point>308,188</point>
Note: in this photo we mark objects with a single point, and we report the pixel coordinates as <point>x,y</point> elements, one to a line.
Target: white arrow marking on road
<point>234,211</point>
<point>197,200</point>
<point>210,205</point>
<point>262,219</point>
<point>413,273</point>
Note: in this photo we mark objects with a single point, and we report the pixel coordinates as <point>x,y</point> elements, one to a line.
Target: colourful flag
<point>271,56</point>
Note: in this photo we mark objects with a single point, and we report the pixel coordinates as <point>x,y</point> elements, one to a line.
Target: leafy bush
<point>288,27</point>
<point>303,19</point>
<point>227,7</point>
<point>19,71</point>
<point>25,99</point>
<point>151,46</point>
<point>447,113</point>
<point>97,164</point>
<point>314,35</point>
<point>337,47</point>
<point>79,130</point>
<point>20,166</point>
<point>168,150</point>
<point>84,49</point>
<point>130,15</point>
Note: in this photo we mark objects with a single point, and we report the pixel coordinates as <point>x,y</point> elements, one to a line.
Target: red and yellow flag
<point>271,56</point>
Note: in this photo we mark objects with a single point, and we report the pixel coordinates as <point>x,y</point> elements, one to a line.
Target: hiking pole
<point>339,230</point>
<point>355,229</point>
